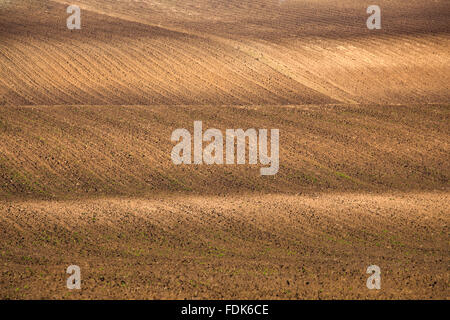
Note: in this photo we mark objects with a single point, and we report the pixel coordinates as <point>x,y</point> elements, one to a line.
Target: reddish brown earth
<point>86,176</point>
<point>271,246</point>
<point>59,152</point>
<point>214,52</point>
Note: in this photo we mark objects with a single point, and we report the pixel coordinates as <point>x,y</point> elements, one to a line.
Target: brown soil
<point>86,176</point>
<point>224,52</point>
<point>83,151</point>
<point>273,246</point>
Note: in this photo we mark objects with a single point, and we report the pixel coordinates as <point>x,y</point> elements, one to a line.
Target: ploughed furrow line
<point>266,246</point>
<point>55,68</point>
<point>380,70</point>
<point>230,78</point>
<point>260,84</point>
<point>201,82</point>
<point>121,56</point>
<point>76,151</point>
<point>274,19</point>
<point>115,66</point>
<point>424,21</point>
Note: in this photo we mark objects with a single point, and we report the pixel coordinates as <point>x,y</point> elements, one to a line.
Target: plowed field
<point>86,176</point>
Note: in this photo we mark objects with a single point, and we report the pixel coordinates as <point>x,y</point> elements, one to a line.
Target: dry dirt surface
<point>86,176</point>
<point>224,52</point>
<point>58,152</point>
<point>199,247</point>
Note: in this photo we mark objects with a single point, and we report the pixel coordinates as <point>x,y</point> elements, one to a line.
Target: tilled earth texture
<point>87,178</point>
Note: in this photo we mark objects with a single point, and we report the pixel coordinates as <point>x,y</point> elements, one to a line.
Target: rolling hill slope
<point>54,151</point>
<point>238,52</point>
<point>86,175</point>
